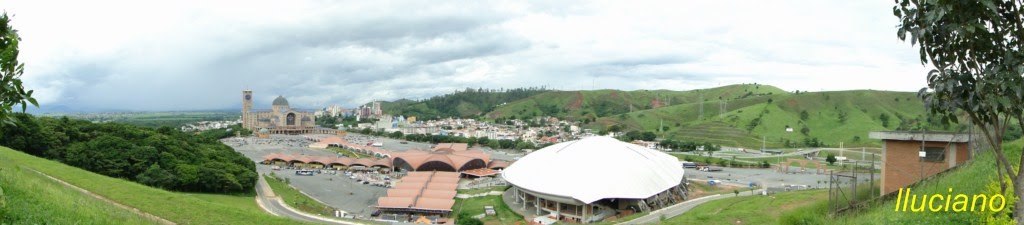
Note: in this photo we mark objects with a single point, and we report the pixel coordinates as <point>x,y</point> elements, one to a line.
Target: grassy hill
<point>734,115</point>
<point>603,103</point>
<point>755,209</point>
<point>30,198</point>
<point>831,117</point>
<point>466,103</point>
<point>178,207</point>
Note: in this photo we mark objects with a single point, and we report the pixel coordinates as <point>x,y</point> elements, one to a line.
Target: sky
<point>200,55</point>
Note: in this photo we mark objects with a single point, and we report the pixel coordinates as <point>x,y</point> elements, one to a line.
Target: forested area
<point>163,157</point>
<point>461,103</point>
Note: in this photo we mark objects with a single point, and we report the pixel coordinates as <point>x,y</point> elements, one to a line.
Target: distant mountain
<point>735,115</point>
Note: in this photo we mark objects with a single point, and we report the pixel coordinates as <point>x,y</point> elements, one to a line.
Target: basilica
<point>281,119</point>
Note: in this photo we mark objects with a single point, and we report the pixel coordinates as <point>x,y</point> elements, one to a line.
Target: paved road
<point>678,209</point>
<point>273,204</point>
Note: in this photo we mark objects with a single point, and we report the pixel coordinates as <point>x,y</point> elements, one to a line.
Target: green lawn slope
<point>182,208</point>
<point>755,209</point>
<point>832,117</point>
<point>602,103</point>
<point>31,198</point>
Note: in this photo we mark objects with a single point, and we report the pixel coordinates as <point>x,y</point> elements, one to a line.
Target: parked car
<point>710,169</point>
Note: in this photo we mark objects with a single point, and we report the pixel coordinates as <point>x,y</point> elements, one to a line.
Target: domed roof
<point>280,101</point>
<point>595,168</point>
<point>264,130</point>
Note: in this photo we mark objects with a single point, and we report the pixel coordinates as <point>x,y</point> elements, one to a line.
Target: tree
<point>648,136</point>
<point>396,135</point>
<point>885,119</point>
<point>975,49</point>
<point>465,219</point>
<point>804,115</point>
<point>12,92</point>
<point>156,177</point>
<point>831,159</point>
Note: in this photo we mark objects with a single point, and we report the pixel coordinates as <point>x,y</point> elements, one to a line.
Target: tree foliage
<point>884,117</point>
<point>977,51</point>
<point>162,157</point>
<point>12,92</point>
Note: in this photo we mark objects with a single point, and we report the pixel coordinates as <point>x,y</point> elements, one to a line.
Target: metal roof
<point>595,168</point>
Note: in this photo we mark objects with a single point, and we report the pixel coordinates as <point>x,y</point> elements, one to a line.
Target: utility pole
<point>723,107</point>
<point>661,126</point>
<point>840,148</point>
<point>762,143</point>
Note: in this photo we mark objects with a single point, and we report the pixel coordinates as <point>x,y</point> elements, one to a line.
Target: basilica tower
<point>246,101</point>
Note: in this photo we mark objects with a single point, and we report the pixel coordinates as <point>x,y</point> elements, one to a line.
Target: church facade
<point>281,119</point>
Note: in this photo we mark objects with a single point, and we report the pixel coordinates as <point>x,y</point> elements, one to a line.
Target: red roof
<point>422,190</point>
<point>482,172</point>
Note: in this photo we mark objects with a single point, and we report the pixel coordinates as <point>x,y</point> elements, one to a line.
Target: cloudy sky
<point>182,55</point>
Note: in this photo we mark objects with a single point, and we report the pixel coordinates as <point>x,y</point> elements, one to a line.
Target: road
<point>678,209</point>
<point>270,202</point>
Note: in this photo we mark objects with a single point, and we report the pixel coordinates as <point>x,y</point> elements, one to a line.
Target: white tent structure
<point>584,180</point>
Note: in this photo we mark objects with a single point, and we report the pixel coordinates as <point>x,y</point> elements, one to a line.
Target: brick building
<point>905,162</point>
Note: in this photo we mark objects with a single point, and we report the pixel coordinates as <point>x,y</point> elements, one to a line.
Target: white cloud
<point>132,55</point>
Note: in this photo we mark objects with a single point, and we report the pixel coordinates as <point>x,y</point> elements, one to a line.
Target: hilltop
<point>812,119</point>
<point>735,115</point>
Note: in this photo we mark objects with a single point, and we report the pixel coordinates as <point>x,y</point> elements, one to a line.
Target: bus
<point>304,172</point>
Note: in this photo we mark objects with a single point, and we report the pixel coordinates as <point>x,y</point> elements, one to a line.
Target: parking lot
<point>763,177</point>
<point>335,190</point>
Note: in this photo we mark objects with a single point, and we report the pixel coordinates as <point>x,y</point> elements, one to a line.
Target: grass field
<point>296,199</point>
<point>349,153</point>
<point>182,208</point>
<point>30,198</point>
<point>482,190</point>
<point>475,206</point>
<point>717,161</point>
<point>701,189</point>
<point>619,220</point>
<point>755,209</point>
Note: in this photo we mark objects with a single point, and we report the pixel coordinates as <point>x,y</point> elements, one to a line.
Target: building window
<point>934,154</point>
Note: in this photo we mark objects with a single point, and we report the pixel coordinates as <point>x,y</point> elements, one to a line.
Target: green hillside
<point>30,198</point>
<point>734,115</point>
<point>602,103</point>
<point>466,103</point>
<point>178,207</point>
<point>831,118</point>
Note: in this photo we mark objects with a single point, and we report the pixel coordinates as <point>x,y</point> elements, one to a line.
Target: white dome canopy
<point>595,168</point>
